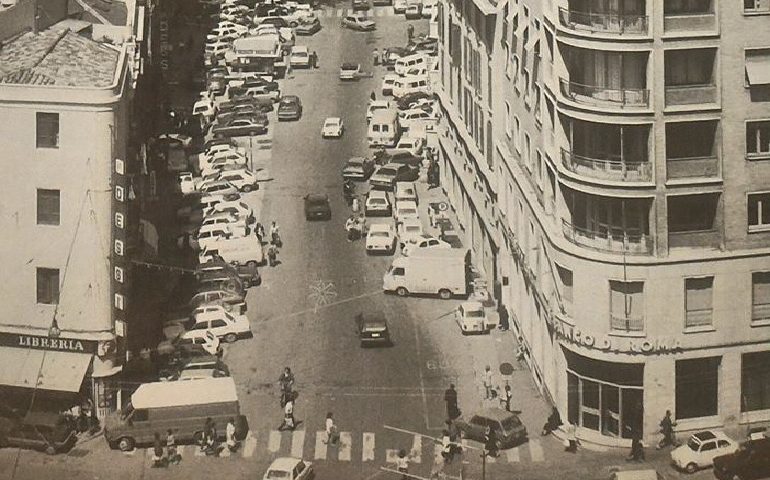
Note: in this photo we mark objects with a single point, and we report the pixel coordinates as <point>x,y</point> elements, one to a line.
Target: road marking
<point>513,455</point>
<point>437,458</point>
<point>391,455</point>
<point>536,451</point>
<point>249,445</point>
<point>415,455</point>
<point>367,452</point>
<point>320,445</point>
<point>274,441</point>
<point>346,446</point>
<point>297,443</point>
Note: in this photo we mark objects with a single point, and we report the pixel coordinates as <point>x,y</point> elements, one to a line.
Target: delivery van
<point>181,406</point>
<point>383,130</point>
<point>240,250</point>
<point>404,64</point>
<point>429,271</point>
<point>405,85</point>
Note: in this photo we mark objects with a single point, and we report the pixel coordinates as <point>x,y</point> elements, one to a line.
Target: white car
<point>381,238</point>
<point>236,207</point>
<point>375,105</point>
<point>205,108</point>
<point>377,203</point>
<point>428,9</point>
<point>700,450</point>
<point>207,158</point>
<point>411,144</point>
<point>232,25</point>
<point>387,83</point>
<point>233,12</point>
<point>211,233</point>
<point>410,228</point>
<point>289,468</point>
<point>226,33</point>
<point>472,318</point>
<point>237,225</point>
<point>405,209</point>
<point>409,118</point>
<point>423,241</point>
<point>186,183</point>
<point>218,162</point>
<point>223,324</point>
<point>399,6</point>
<point>405,191</point>
<point>217,187</point>
<point>243,179</point>
<point>332,128</point>
<point>224,147</point>
<point>300,56</point>
<point>416,72</point>
<point>350,71</point>
<point>360,23</point>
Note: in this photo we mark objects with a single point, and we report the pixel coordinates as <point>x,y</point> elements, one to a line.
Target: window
<point>565,280</point>
<point>698,301</point>
<point>697,387</point>
<point>48,286</point>
<point>692,213</point>
<point>626,306</point>
<point>48,207</point>
<point>218,323</point>
<point>755,381</point>
<point>758,139</point>
<point>756,6</point>
<point>689,67</point>
<point>528,151</point>
<point>759,211</point>
<point>517,134</point>
<point>760,296</point>
<point>47,133</point>
<point>757,66</point>
<point>508,125</point>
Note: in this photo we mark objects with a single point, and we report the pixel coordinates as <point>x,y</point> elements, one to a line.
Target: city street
<point>303,316</point>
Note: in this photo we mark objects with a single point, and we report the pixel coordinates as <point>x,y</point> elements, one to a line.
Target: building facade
<point>628,175</point>
<point>64,100</point>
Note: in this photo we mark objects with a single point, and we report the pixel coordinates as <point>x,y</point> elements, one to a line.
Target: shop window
<point>698,301</point>
<point>760,296</point>
<point>626,306</point>
<point>697,387</point>
<point>755,381</point>
<point>48,286</point>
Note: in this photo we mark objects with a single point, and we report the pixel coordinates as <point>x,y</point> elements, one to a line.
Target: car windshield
<point>408,211</point>
<point>377,200</point>
<point>380,234</point>
<point>277,474</point>
<point>317,201</point>
<point>355,163</point>
<point>474,313</point>
<point>388,171</point>
<point>693,444</point>
<point>510,423</point>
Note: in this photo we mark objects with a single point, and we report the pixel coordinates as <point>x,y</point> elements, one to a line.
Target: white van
<point>404,64</point>
<point>406,85</point>
<point>383,129</point>
<point>241,250</point>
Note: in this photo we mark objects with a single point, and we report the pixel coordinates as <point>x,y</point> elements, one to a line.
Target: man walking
<point>375,57</point>
<point>409,32</point>
<point>486,380</point>
<point>314,59</point>
<point>331,430</point>
<point>506,399</point>
<point>232,443</point>
<point>667,429</point>
<point>450,397</point>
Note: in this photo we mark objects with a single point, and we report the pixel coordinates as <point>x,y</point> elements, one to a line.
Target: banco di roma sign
<point>46,343</point>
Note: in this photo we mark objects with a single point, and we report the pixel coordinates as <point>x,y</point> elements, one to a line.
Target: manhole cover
<point>506,368</point>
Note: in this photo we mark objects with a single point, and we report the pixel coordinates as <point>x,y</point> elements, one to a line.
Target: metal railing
<point>614,23</point>
<point>627,323</point>
<point>604,96</point>
<point>692,167</point>
<point>689,22</point>
<point>606,169</point>
<point>614,240</point>
<point>691,94</point>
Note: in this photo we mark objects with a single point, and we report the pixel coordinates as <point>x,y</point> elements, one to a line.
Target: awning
<point>490,7</point>
<point>46,369</point>
<point>758,69</point>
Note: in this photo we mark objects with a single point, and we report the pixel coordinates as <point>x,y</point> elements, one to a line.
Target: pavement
<point>302,316</point>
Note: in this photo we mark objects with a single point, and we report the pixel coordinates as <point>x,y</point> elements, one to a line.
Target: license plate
<point>375,335</point>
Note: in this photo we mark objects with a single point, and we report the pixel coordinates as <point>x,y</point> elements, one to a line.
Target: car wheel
<point>293,24</point>
<point>691,467</point>
<point>247,188</point>
<point>231,337</point>
<point>50,450</point>
<point>445,294</point>
<point>126,444</point>
<point>402,292</point>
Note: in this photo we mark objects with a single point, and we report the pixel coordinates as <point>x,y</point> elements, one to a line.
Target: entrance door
<point>610,410</point>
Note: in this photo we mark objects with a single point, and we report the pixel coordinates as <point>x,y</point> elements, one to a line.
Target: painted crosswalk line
<point>367,449</point>
<point>536,451</point>
<point>320,445</point>
<point>249,445</point>
<point>297,443</point>
<point>415,455</point>
<point>346,447</point>
<point>512,455</point>
<point>274,441</point>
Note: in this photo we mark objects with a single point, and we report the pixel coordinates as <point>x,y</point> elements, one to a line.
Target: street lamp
<point>54,330</point>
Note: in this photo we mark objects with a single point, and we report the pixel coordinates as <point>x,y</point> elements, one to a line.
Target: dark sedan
<point>358,169</point>
<point>290,108</point>
<point>317,207</point>
<point>386,176</point>
<point>44,431</point>
<point>373,330</point>
<point>262,104</point>
<point>240,126</point>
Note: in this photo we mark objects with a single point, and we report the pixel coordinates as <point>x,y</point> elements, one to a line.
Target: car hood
<point>353,169</point>
<point>385,177</point>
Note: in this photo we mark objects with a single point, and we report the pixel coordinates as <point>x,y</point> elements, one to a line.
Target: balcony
<point>605,97</point>
<point>627,323</point>
<point>691,94</point>
<point>616,240</point>
<point>689,23</point>
<point>692,167</point>
<point>710,239</point>
<point>615,170</point>
<point>609,23</point>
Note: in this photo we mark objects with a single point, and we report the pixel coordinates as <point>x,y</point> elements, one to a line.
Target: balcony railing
<point>690,22</point>
<point>606,169</point>
<point>604,22</point>
<point>609,240</point>
<point>691,94</point>
<point>627,323</point>
<point>711,239</point>
<point>692,167</point>
<point>604,96</point>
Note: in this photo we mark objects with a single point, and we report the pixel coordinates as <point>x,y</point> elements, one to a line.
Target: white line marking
<point>536,451</point>
<point>437,458</point>
<point>274,441</point>
<point>391,455</point>
<point>320,446</point>
<point>415,455</point>
<point>367,452</point>
<point>297,443</point>
<point>346,446</point>
<point>513,455</point>
<point>249,445</point>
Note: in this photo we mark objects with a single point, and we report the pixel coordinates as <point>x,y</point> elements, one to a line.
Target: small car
<point>507,426</point>
<point>306,28</point>
<point>350,71</point>
<point>241,178</point>
<point>361,24</point>
<point>216,295</point>
<point>373,330</point>
<point>751,460</point>
<point>413,11</point>
<point>387,83</point>
<point>186,183</point>
<point>45,431</point>
<point>300,56</point>
<point>387,175</point>
<point>358,169</point>
<point>332,128</point>
<point>240,126</point>
<point>218,321</point>
<point>407,101</point>
<point>289,468</point>
<point>377,203</point>
<point>423,241</point>
<point>206,236</point>
<point>200,366</point>
<point>361,5</point>
<point>472,318</point>
<point>405,209</point>
<point>290,108</point>
<point>381,238</point>
<point>409,229</point>
<point>317,207</point>
<point>375,105</point>
<point>248,274</point>
<point>701,449</point>
<point>399,6</point>
<point>405,191</point>
<point>217,187</point>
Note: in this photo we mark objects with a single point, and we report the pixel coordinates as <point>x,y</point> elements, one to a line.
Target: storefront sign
<point>616,344</point>
<point>46,343</point>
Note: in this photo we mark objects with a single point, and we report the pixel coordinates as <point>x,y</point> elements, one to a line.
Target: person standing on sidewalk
<point>637,449</point>
<point>171,451</point>
<point>232,443</point>
<point>375,57</point>
<point>490,442</point>
<point>450,397</point>
<point>314,59</point>
<point>272,255</point>
<point>486,380</point>
<point>506,398</point>
<point>667,429</point>
<point>570,440</point>
<point>331,430</point>
<point>409,32</point>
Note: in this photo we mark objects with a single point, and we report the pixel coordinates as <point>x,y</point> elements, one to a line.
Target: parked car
<point>413,11</point>
<point>405,191</point>
<point>208,366</point>
<point>300,56</point>
<point>289,468</point>
<point>405,209</point>
<point>399,6</point>
<point>358,169</point>
<point>218,321</point>
<point>373,330</point>
<point>248,274</point>
<point>424,241</point>
<point>45,431</point>
<point>387,175</point>
<point>361,24</point>
<point>408,230</point>
<point>508,428</point>
<point>243,179</point>
<point>361,5</point>
<point>375,105</point>
<point>750,461</point>
<point>332,128</point>
<point>701,449</point>
<point>406,101</point>
<point>350,71</point>
<point>217,187</point>
<point>216,295</point>
<point>290,108</point>
<point>387,83</point>
<point>472,318</point>
<point>381,237</point>
<point>306,28</point>
<point>317,207</point>
<point>240,126</point>
<point>377,203</point>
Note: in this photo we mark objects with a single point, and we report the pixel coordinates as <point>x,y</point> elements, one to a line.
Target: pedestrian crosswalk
<point>344,12</point>
<point>353,447</point>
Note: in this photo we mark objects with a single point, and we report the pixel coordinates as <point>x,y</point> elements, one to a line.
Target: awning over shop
<point>45,369</point>
<point>758,69</point>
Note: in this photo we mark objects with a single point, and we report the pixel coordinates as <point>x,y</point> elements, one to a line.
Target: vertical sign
<point>118,259</point>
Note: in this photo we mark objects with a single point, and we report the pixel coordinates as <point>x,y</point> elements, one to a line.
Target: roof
<point>380,227</point>
<point>285,464</point>
<point>705,435</point>
<point>57,57</point>
<point>114,13</point>
<point>384,114</point>
<point>317,197</point>
<point>170,394</point>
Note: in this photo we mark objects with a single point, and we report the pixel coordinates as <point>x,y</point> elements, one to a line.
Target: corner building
<point>627,171</point>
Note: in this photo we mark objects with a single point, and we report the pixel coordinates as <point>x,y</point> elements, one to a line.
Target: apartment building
<point>64,101</point>
<point>628,175</point>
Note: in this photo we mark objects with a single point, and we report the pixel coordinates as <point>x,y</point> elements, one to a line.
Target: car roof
<point>495,414</point>
<point>704,435</point>
<point>299,48</point>
<point>380,227</point>
<point>406,204</point>
<point>378,194</point>
<point>471,305</point>
<point>349,66</point>
<point>284,463</point>
<point>411,222</point>
<point>317,197</point>
<point>332,120</point>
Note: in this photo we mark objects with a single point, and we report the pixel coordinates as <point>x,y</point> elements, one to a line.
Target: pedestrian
<point>553,422</point>
<point>314,59</point>
<point>402,464</point>
<point>486,380</point>
<point>331,430</point>
<point>171,452</point>
<point>275,236</point>
<point>232,443</point>
<point>667,429</point>
<point>570,439</point>
<point>288,416</point>
<point>373,96</point>
<point>212,448</point>
<point>637,448</point>
<point>260,231</point>
<point>454,432</point>
<point>506,399</point>
<point>450,397</point>
<point>355,204</point>
<point>490,442</point>
<point>376,57</point>
<point>446,447</point>
<point>409,32</point>
<point>272,254</point>
<point>158,461</point>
